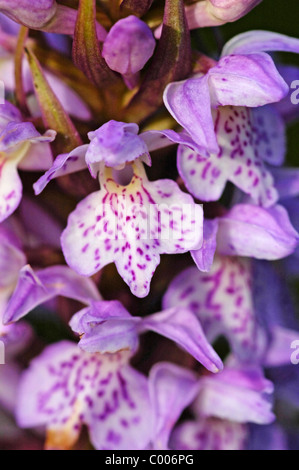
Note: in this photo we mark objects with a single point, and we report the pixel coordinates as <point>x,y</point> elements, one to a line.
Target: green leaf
<point>53,113</point>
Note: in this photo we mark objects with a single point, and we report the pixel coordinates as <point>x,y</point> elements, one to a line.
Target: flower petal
<point>34,289</point>
<point>242,80</point>
<point>156,140</point>
<point>252,231</point>
<point>109,397</point>
<point>190,105</point>
<point>217,12</point>
<point>204,257</point>
<point>131,226</point>
<point>11,188</point>
<point>64,164</point>
<point>260,41</point>
<point>244,138</point>
<point>222,301</point>
<point>237,395</point>
<point>172,389</point>
<point>106,327</point>
<point>181,325</point>
<point>209,434</point>
<point>15,133</point>
<point>32,13</point>
<point>116,143</point>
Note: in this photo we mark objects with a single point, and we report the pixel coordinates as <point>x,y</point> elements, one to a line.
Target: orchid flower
<point>203,13</point>
<point>217,12</point>
<point>229,301</point>
<point>223,408</point>
<point>224,111</point>
<point>130,221</point>
<point>122,409</point>
<point>21,146</point>
<point>107,327</point>
<point>250,231</point>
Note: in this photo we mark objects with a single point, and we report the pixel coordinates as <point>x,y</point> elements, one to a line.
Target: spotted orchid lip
<point>156,150</point>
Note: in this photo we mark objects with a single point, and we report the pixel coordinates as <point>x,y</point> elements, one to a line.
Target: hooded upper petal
<point>260,41</point>
<point>116,143</point>
<point>106,327</point>
<point>248,230</point>
<point>246,80</point>
<point>189,103</point>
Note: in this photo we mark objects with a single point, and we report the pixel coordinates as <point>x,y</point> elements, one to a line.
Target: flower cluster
<point>123,144</point>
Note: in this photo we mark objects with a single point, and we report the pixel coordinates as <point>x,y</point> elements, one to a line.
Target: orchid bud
<point>128,47</point>
<point>217,12</point>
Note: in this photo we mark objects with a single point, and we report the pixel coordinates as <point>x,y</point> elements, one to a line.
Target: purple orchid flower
<point>129,45</point>
<point>66,387</point>
<point>12,259</point>
<point>250,231</point>
<point>107,327</point>
<point>34,288</point>
<point>204,13</point>
<point>21,146</point>
<point>217,12</point>
<point>223,408</point>
<point>231,299</point>
<point>224,111</point>
<point>130,221</point>
<point>122,408</point>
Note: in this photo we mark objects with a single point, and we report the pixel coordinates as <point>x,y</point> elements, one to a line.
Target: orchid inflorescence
<point>111,340</point>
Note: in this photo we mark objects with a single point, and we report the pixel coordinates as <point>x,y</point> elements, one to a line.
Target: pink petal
<point>245,138</point>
